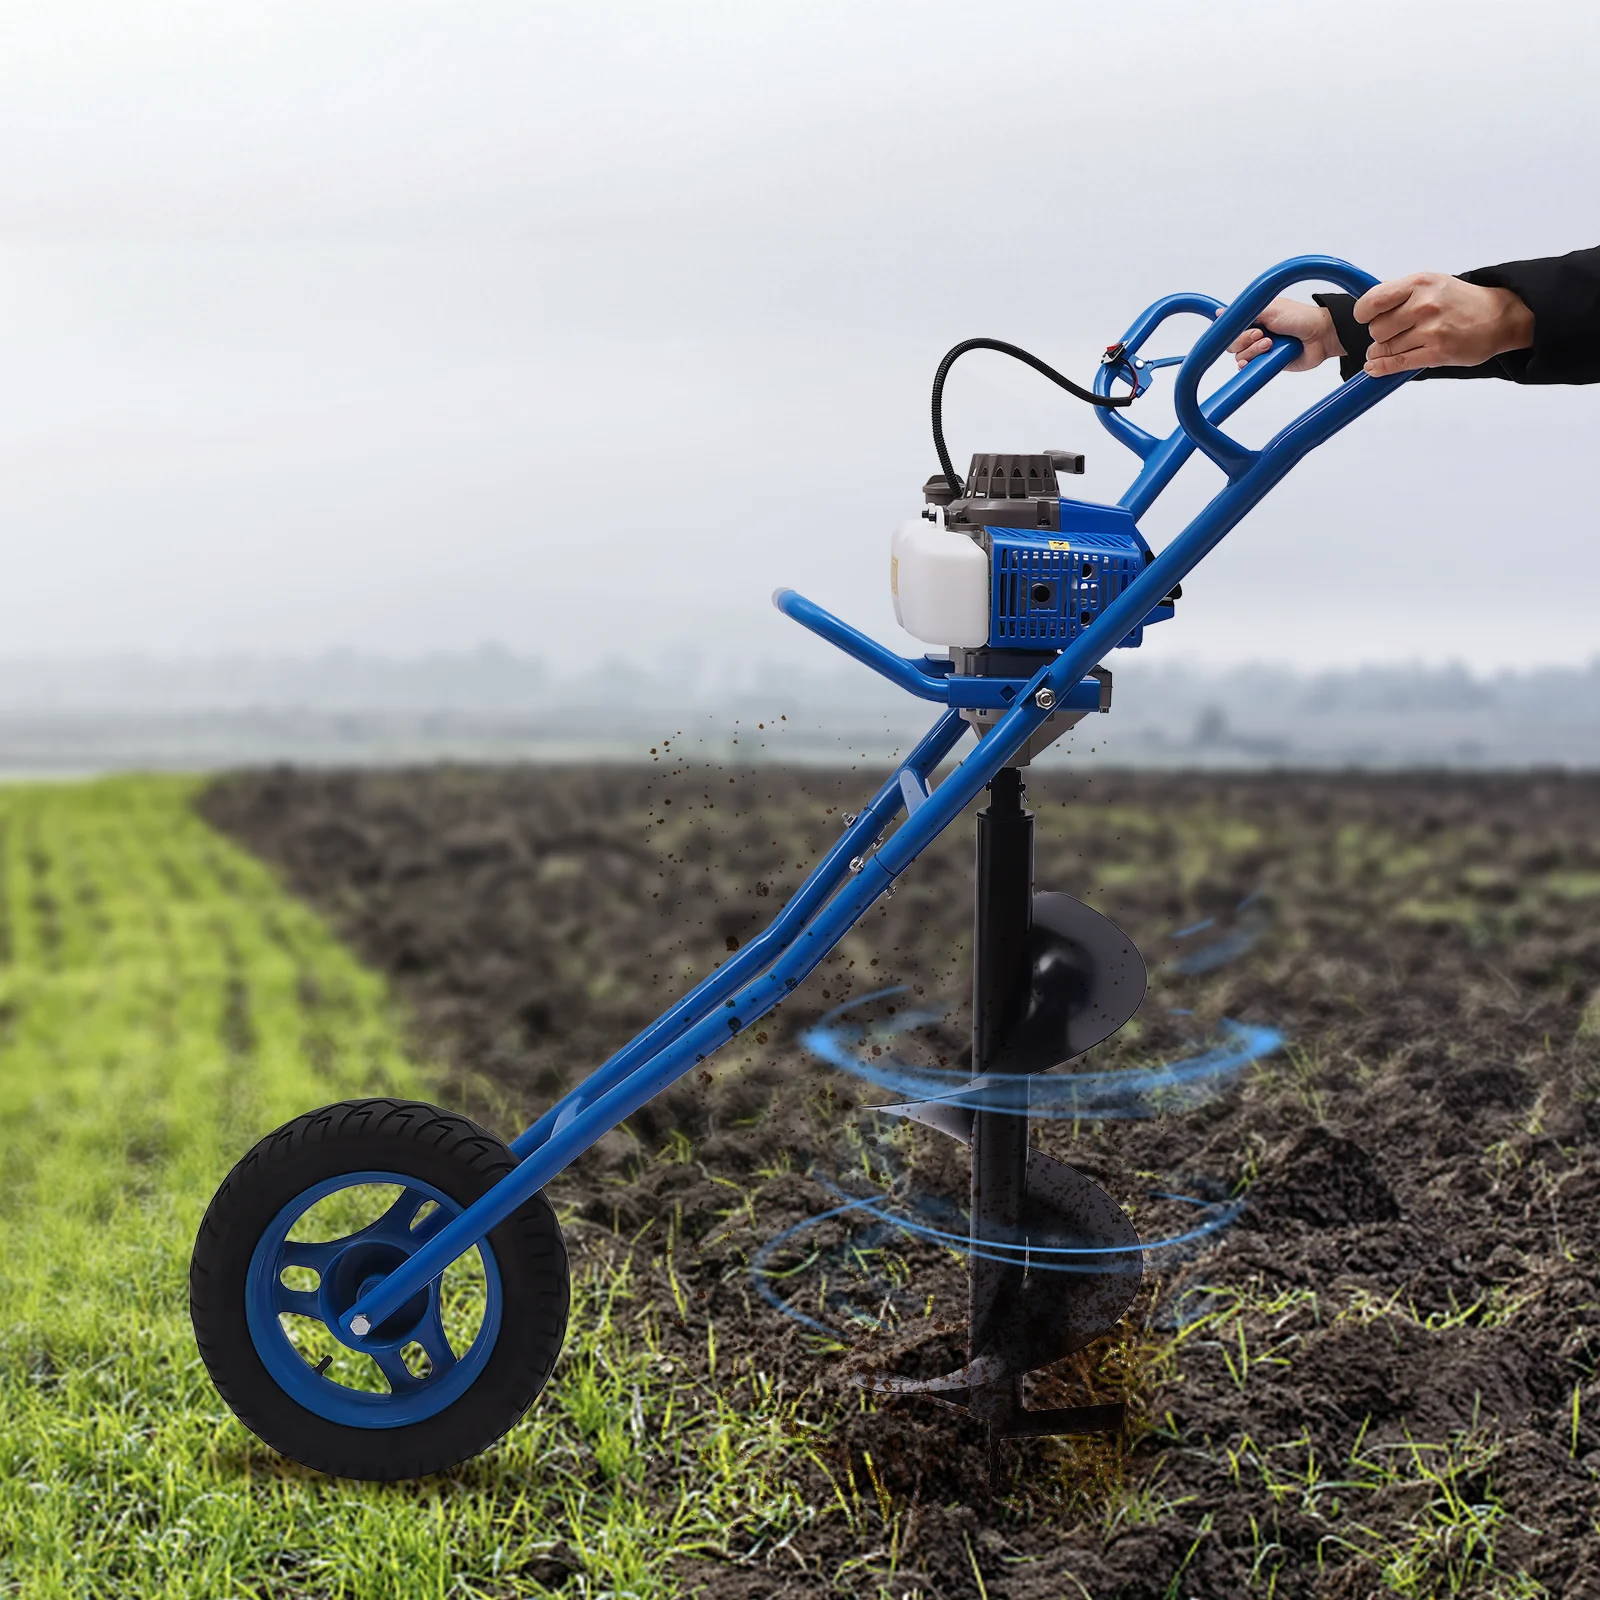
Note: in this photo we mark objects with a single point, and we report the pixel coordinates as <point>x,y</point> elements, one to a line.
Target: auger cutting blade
<point>1087,979</point>
<point>1084,1268</point>
<point>947,1116</point>
<point>1049,1302</point>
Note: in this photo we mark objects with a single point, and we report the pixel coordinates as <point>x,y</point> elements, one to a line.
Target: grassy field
<point>162,1003</point>
<point>1382,1381</point>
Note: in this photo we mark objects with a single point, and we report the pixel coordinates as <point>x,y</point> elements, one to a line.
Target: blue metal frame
<point>863,865</point>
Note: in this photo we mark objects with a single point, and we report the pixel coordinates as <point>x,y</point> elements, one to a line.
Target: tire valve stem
<point>323,1365</point>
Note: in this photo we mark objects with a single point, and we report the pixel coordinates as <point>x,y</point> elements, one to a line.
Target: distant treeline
<point>115,711</point>
<point>495,678</point>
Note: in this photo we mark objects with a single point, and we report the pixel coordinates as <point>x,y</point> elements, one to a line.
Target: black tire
<point>415,1140</point>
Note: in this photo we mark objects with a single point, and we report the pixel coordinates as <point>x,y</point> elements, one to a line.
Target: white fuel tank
<point>940,581</point>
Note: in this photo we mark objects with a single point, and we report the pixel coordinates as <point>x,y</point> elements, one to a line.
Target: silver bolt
<point>1045,699</point>
<point>848,818</point>
<point>856,863</point>
<point>360,1327</point>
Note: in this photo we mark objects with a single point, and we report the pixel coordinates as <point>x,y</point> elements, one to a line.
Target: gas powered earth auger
<point>379,1288</point>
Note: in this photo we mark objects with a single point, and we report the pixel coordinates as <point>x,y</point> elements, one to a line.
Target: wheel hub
<point>350,1274</point>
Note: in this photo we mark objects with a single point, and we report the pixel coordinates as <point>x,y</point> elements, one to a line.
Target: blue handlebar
<point>1228,453</point>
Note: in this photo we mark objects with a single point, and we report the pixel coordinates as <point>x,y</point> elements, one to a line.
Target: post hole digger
<point>379,1288</point>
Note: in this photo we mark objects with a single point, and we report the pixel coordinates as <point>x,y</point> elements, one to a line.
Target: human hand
<point>1311,325</point>
<point>1429,319</point>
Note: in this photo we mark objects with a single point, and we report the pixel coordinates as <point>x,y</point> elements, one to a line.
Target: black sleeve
<point>1353,335</point>
<point>1562,292</point>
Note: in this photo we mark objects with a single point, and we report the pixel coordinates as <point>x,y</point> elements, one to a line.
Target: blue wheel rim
<point>344,1267</point>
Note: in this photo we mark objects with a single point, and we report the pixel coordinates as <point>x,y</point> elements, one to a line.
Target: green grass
<point>162,1004</point>
<point>1440,1517</point>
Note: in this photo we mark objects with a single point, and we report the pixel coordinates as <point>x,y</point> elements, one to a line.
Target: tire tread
<point>378,1133</point>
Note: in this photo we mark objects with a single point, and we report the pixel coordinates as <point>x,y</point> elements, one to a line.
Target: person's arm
<point>1532,322</point>
<point>1427,322</point>
<point>1529,321</point>
<point>1435,325</point>
<point>1562,295</point>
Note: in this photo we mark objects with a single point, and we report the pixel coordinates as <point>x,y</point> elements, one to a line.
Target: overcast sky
<point>580,327</point>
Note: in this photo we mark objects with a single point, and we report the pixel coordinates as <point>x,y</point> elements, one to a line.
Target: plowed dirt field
<point>1380,1377</point>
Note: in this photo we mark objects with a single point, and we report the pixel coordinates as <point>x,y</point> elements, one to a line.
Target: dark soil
<point>1388,1358</point>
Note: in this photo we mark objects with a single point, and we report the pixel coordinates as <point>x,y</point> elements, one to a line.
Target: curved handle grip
<point>1227,452</point>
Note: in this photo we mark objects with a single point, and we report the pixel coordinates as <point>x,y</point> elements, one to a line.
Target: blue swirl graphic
<point>1129,1093</point>
<point>1132,1092</point>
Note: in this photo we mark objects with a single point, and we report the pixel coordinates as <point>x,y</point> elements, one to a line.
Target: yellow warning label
<point>1059,544</point>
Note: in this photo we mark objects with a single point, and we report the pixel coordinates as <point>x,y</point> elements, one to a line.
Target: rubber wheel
<point>438,1163</point>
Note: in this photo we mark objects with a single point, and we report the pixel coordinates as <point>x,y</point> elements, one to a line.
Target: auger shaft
<point>1001,974</point>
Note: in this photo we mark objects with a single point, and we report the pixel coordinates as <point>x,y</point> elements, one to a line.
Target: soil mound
<point>1319,1178</point>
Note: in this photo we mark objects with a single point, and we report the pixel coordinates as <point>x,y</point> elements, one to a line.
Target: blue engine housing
<point>1047,585</point>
